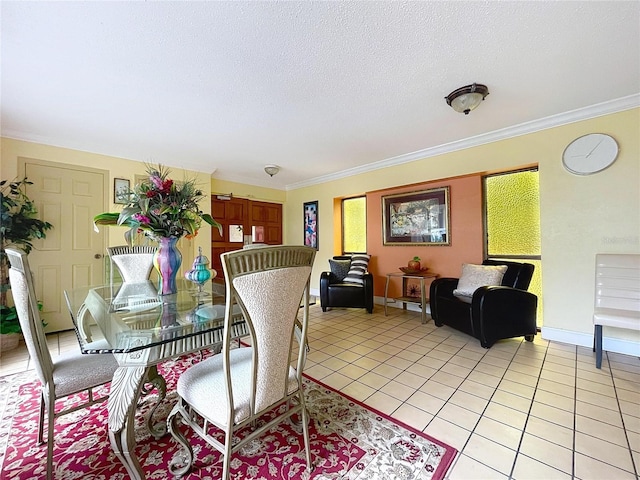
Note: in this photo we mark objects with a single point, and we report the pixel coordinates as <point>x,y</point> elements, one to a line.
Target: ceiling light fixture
<point>465,99</point>
<point>271,170</point>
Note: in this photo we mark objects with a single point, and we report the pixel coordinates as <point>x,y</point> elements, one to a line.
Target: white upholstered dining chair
<point>61,376</point>
<point>134,264</point>
<point>233,389</point>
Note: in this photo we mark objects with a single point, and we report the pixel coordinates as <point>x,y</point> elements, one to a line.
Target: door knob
<point>97,255</point>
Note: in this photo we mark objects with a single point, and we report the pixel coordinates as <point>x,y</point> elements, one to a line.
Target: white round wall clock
<point>590,153</point>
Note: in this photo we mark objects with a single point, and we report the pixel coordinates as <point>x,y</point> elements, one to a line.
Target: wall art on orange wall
<point>416,218</point>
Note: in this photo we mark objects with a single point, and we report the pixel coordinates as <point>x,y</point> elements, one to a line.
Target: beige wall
<point>11,150</point>
<point>252,192</point>
<point>580,215</point>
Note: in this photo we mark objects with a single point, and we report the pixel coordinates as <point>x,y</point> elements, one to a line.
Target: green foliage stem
<point>18,227</point>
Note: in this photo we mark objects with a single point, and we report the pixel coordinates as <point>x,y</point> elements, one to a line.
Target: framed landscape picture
<point>310,215</point>
<point>416,218</point>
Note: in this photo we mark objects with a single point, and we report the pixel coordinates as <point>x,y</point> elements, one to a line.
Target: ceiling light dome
<point>465,99</point>
<point>271,170</point>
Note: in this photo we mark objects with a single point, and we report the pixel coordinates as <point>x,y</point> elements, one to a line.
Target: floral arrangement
<point>160,208</point>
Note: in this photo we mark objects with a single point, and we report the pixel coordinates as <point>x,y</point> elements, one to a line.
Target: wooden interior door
<point>231,214</point>
<point>266,222</point>
<point>72,254</point>
<point>242,219</point>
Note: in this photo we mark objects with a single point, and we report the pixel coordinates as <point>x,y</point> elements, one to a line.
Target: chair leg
<point>227,454</point>
<point>50,419</point>
<point>305,431</point>
<point>41,420</point>
<point>179,465</point>
<point>598,342</point>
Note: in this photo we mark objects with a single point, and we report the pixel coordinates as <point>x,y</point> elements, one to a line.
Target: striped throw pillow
<point>359,265</point>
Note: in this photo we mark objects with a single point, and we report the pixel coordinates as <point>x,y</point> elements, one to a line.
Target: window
<point>512,222</point>
<point>354,225</point>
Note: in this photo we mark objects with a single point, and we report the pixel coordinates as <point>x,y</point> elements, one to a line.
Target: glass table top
<point>133,317</point>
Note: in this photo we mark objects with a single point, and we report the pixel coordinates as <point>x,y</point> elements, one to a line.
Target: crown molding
<point>572,116</point>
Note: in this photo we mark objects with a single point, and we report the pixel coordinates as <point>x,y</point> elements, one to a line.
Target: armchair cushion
<point>339,269</point>
<point>476,276</point>
<point>359,265</point>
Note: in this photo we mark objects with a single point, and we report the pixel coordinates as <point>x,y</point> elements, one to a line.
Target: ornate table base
<point>126,386</point>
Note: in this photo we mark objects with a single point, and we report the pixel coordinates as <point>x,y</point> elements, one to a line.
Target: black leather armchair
<point>495,312</point>
<point>335,293</point>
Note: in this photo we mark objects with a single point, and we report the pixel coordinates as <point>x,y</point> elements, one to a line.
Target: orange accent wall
<point>467,238</point>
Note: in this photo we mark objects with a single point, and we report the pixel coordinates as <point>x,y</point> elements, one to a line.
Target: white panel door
<point>72,254</point>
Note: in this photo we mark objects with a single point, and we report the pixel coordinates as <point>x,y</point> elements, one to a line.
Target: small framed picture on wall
<point>310,212</point>
<point>121,188</point>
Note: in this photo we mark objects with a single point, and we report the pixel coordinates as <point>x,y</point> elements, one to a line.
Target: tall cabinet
<point>243,221</point>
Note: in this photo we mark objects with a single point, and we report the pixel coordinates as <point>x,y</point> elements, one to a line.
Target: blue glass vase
<point>167,261</point>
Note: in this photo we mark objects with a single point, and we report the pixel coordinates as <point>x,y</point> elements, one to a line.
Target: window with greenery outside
<point>18,228</point>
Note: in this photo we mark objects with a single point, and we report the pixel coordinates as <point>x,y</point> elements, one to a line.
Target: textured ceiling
<point>315,87</point>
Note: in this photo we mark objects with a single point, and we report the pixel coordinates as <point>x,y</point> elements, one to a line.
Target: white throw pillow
<point>476,276</point>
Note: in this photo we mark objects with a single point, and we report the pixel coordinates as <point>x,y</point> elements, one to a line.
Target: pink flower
<point>156,180</point>
<point>141,218</point>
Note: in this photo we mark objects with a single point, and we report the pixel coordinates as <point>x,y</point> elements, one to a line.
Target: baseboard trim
<point>617,345</point>
<point>410,306</point>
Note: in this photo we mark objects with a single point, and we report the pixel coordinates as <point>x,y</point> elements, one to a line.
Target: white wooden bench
<point>617,301</point>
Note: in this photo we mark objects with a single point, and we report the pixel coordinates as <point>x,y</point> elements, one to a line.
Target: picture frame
<point>416,218</point>
<point>121,189</point>
<point>411,288</point>
<point>310,224</point>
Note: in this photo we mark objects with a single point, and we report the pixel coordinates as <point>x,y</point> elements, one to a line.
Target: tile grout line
<point>575,415</point>
<point>624,427</point>
<point>481,415</point>
<point>526,421</point>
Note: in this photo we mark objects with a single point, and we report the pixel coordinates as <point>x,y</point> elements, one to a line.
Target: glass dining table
<point>141,329</point>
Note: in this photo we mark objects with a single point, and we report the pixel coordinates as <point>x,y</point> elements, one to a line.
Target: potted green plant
<point>18,227</point>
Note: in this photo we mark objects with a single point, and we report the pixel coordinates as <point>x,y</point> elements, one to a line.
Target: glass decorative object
<point>200,272</point>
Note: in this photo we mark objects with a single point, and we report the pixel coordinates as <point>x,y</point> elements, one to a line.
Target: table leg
<point>158,381</point>
<point>83,319</point>
<point>121,406</point>
<point>423,301</point>
<point>386,294</point>
<point>404,292</point>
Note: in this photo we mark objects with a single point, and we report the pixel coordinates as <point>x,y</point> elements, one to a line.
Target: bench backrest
<point>618,281</point>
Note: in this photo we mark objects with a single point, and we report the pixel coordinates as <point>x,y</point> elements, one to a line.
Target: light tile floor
<point>518,410</point>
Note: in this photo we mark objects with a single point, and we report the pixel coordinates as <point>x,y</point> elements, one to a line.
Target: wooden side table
<point>422,300</point>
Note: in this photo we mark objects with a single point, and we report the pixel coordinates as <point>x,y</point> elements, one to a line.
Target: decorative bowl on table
<point>413,271</point>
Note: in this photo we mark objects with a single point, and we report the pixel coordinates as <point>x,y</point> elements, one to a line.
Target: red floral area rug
<point>348,441</point>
